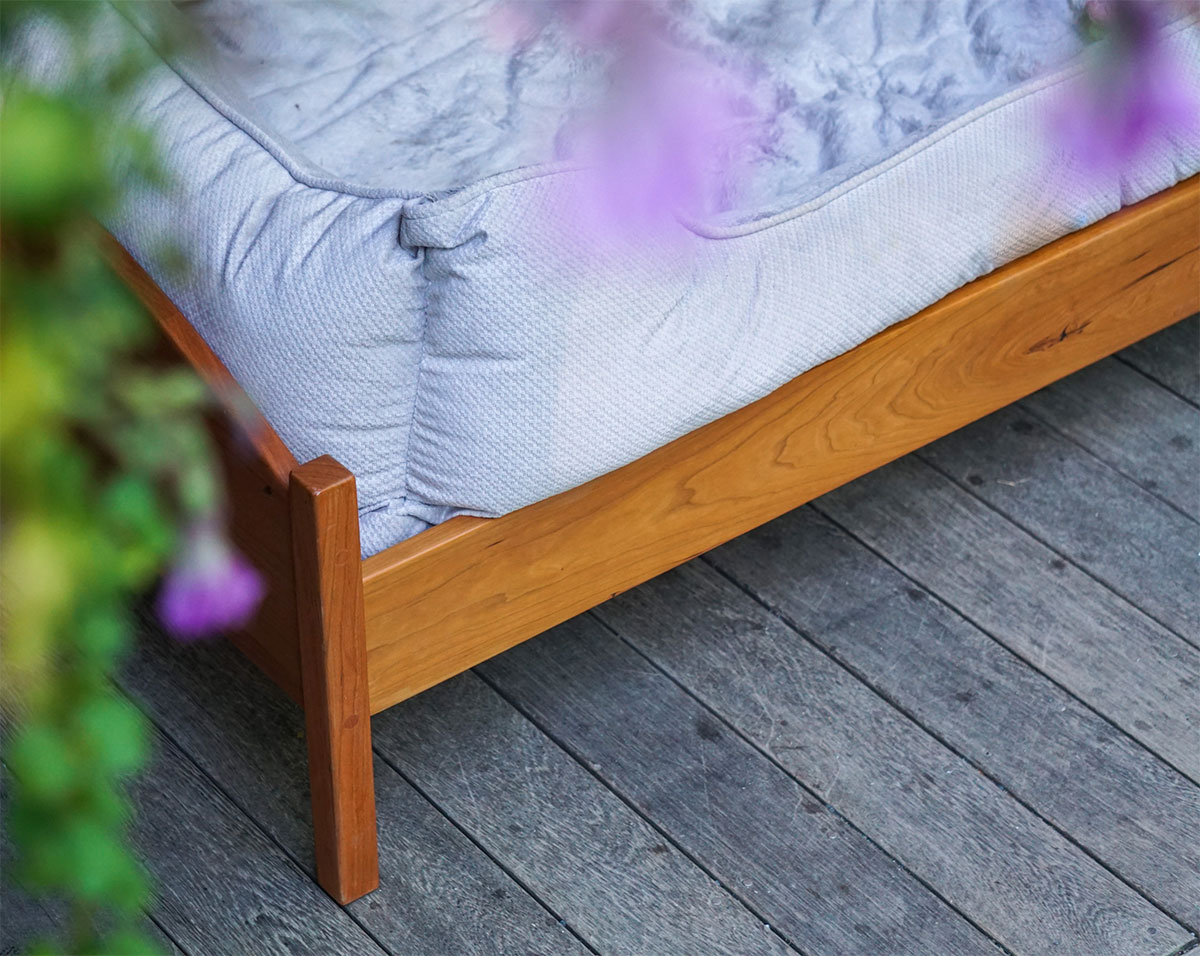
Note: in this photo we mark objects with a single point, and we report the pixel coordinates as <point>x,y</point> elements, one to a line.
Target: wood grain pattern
<point>439,893</point>
<point>606,871</point>
<point>1057,756</point>
<point>256,465</point>
<point>766,836</point>
<point>465,590</point>
<point>1172,359</point>
<point>333,665</point>
<point>24,918</point>
<point>223,887</point>
<point>1132,423</point>
<point>964,835</point>
<point>1080,511</point>
<point>1077,631</point>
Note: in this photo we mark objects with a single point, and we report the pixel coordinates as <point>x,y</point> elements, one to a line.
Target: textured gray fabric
<point>385,262</point>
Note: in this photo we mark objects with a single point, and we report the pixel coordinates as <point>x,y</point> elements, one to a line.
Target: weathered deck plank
<point>1071,627</point>
<point>439,892</point>
<point>734,745</point>
<point>1171,357</point>
<point>1143,430</point>
<point>1087,511</point>
<point>24,918</point>
<point>223,887</point>
<point>254,747</point>
<point>808,873</point>
<point>606,871</point>
<point>1058,757</point>
<point>1015,876</point>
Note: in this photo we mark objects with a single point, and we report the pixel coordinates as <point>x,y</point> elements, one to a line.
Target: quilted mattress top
<point>429,96</point>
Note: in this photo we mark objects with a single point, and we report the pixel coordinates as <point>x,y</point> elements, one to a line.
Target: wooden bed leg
<point>333,665</point>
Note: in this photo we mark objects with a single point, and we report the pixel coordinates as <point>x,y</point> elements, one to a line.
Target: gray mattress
<point>377,201</point>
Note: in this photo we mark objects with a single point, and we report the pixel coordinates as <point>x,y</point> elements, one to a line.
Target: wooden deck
<point>952,708</point>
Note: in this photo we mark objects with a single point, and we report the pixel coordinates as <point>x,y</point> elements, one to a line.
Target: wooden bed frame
<point>347,638</point>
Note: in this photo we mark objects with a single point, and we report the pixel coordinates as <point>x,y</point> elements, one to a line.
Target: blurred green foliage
<point>101,454</point>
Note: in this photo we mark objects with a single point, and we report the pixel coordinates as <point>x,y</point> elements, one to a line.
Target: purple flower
<point>210,588</point>
<point>1131,94</point>
<point>671,147</point>
<point>673,132</point>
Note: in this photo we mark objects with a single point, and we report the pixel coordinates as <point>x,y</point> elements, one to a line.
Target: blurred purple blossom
<point>673,131</point>
<point>1132,92</point>
<point>210,588</point>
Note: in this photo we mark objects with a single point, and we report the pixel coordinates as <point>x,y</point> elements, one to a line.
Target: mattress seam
<point>255,133</point>
<point>435,207</point>
<point>426,285</point>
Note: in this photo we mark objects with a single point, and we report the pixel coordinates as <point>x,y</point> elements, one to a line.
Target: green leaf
<point>102,636</point>
<point>49,162</point>
<point>114,733</point>
<point>133,511</point>
<point>97,860</point>
<point>128,943</point>
<point>41,761</point>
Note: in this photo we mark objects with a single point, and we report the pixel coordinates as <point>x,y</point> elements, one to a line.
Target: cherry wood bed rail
<point>348,638</point>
